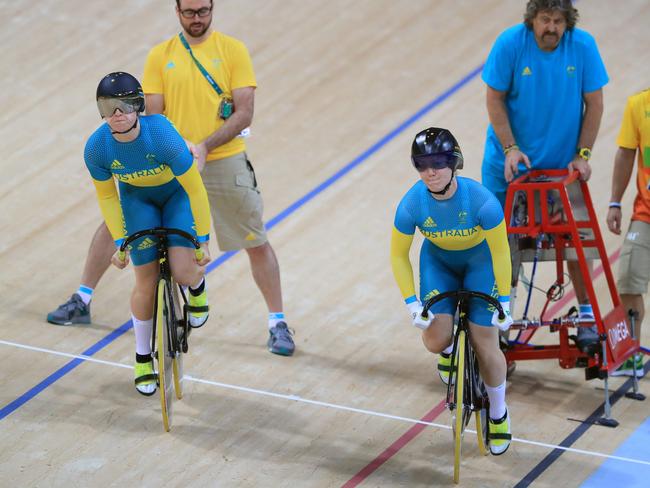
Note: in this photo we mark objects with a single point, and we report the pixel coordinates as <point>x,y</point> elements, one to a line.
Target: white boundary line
<point>335,406</point>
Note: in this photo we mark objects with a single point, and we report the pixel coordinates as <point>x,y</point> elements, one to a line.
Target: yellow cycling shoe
<point>198,309</point>
<point>499,435</point>
<point>444,367</point>
<point>145,378</point>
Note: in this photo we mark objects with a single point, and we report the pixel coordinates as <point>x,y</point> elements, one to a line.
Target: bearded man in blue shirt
<point>544,98</point>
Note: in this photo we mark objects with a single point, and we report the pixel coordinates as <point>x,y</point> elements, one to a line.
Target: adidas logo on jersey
<point>146,244</point>
<point>526,72</point>
<point>116,165</point>
<point>429,222</point>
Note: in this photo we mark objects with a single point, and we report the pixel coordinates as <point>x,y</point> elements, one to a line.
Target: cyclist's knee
<point>184,267</point>
<point>435,343</point>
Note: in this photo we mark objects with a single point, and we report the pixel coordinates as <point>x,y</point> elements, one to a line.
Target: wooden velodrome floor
<point>340,82</point>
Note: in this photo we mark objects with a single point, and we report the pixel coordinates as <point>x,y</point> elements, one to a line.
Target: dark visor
<point>126,105</point>
<point>434,161</point>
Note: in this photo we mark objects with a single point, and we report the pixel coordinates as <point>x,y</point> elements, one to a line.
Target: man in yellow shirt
<point>204,82</point>
<point>634,269</point>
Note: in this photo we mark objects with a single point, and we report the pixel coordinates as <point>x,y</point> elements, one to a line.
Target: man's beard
<point>197,33</point>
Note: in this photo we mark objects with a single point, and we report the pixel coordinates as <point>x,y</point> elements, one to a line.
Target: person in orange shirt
<point>634,267</point>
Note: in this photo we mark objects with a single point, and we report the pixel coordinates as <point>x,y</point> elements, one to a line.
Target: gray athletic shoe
<point>74,311</point>
<point>280,340</point>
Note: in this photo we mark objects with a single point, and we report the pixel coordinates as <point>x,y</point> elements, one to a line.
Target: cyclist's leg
<point>492,362</point>
<point>142,302</point>
<point>492,365</point>
<point>185,270</point>
<point>140,213</point>
<point>177,214</point>
<point>436,278</point>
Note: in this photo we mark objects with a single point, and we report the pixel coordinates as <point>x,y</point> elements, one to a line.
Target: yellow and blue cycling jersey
<point>159,185</point>
<point>465,246</point>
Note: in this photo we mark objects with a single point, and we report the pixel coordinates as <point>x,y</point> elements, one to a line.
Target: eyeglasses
<point>189,13</point>
<point>126,105</point>
<point>423,162</point>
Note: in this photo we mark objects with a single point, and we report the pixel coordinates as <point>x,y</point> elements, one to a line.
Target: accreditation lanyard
<point>203,71</point>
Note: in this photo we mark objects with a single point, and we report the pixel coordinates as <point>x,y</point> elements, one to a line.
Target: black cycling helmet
<point>119,90</point>
<point>436,148</point>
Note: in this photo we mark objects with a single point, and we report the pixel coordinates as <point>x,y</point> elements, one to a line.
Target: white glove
<point>415,309</point>
<point>507,321</point>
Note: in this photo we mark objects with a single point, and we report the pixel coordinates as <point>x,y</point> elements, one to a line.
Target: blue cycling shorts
<point>158,206</point>
<point>470,269</point>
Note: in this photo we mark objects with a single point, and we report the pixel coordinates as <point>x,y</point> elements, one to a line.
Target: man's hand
<point>513,158</point>
<point>200,153</point>
<point>614,220</point>
<point>415,310</point>
<point>582,167</point>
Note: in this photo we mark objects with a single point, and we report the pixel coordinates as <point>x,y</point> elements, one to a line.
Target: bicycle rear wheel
<point>458,414</point>
<point>163,353</point>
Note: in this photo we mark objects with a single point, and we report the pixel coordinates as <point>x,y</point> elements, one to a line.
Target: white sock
<point>86,293</point>
<point>497,396</point>
<point>142,329</point>
<point>274,318</point>
<point>449,349</point>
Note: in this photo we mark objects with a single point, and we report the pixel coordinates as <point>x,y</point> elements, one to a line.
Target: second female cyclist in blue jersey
<point>159,186</point>
<point>465,247</point>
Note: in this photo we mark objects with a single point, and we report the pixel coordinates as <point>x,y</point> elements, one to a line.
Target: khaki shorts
<point>235,203</point>
<point>634,267</point>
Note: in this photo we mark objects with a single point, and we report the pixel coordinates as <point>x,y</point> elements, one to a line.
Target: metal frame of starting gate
<point>550,217</point>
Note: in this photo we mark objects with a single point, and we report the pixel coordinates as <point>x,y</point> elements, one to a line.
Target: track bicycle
<point>468,394</point>
<point>171,330</point>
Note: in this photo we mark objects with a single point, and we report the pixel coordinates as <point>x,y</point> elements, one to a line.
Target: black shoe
<point>587,340</point>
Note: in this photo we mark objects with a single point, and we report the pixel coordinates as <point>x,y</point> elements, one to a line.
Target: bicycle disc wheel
<point>163,355</point>
<point>176,338</point>
<point>458,423</point>
<point>480,403</point>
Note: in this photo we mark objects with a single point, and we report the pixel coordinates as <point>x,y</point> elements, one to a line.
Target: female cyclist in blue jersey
<point>159,186</point>
<point>465,247</point>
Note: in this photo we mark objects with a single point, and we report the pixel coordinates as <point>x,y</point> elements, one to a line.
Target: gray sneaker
<point>74,311</point>
<point>280,340</point>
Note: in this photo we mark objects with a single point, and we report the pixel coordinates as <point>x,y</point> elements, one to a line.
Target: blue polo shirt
<point>544,99</point>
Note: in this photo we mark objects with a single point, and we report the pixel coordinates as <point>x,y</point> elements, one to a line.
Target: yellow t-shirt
<point>635,134</point>
<point>190,101</point>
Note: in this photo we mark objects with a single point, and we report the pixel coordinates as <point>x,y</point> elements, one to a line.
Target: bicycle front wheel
<point>163,353</point>
<point>458,420</point>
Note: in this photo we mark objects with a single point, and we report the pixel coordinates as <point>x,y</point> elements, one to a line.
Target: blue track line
<point>569,440</point>
<point>25,397</point>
